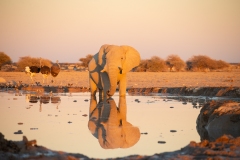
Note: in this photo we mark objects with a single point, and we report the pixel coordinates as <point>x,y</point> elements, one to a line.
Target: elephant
<point>108,123</point>
<point>108,68</point>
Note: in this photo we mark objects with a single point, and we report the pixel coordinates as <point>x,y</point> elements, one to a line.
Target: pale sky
<point>67,30</point>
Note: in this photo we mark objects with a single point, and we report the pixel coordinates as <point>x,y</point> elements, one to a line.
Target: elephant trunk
<point>113,80</point>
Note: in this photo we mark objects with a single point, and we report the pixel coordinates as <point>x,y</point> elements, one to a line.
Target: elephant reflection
<point>108,123</point>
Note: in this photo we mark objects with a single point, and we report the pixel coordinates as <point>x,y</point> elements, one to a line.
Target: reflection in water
<point>108,123</point>
<point>43,99</point>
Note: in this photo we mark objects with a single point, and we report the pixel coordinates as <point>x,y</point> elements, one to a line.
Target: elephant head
<point>112,131</point>
<point>116,61</point>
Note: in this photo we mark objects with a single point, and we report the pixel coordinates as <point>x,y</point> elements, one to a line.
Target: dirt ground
<point>139,79</point>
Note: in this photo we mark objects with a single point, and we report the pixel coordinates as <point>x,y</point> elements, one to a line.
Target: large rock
<point>219,118</point>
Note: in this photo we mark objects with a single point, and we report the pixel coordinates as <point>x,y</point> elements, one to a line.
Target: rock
<point>18,132</point>
<point>8,146</point>
<point>161,142</point>
<point>219,118</point>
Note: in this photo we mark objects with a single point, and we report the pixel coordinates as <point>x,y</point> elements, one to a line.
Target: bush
<point>202,63</point>
<point>222,64</point>
<point>174,61</point>
<point>29,61</point>
<point>4,59</point>
<point>156,64</point>
<point>85,61</point>
<point>142,67</point>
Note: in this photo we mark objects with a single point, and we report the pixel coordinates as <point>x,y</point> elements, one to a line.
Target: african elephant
<point>108,68</point>
<point>108,123</point>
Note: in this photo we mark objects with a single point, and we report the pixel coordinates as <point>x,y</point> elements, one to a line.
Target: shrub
<point>30,61</point>
<point>86,60</point>
<point>201,62</point>
<point>174,61</point>
<point>156,64</point>
<point>221,64</point>
<point>4,59</point>
<point>142,66</point>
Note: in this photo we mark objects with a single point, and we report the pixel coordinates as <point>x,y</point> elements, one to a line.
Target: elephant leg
<point>101,95</point>
<point>93,87</point>
<point>93,105</point>
<point>122,86</point>
<point>106,85</point>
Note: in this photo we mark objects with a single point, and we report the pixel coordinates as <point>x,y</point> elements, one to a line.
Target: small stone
<point>144,133</point>
<point>75,101</point>
<point>69,122</point>
<point>20,123</point>
<point>161,142</point>
<point>18,132</point>
<point>84,115</point>
<point>171,107</point>
<point>86,100</point>
<point>173,130</point>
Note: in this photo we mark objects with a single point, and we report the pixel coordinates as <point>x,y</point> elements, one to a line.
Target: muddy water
<point>62,123</point>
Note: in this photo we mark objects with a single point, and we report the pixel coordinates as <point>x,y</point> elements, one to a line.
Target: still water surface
<point>62,124</point>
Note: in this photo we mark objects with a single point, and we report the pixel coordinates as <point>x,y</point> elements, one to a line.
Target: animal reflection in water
<point>108,123</point>
<point>43,99</point>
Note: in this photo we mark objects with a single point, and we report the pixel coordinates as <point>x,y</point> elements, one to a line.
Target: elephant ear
<point>132,59</point>
<point>132,135</point>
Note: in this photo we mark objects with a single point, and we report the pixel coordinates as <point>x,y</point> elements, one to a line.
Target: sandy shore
<point>140,79</point>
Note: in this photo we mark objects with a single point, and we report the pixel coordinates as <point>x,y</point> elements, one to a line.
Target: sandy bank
<point>140,79</point>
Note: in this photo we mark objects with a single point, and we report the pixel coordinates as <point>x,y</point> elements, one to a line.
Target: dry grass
<point>141,79</point>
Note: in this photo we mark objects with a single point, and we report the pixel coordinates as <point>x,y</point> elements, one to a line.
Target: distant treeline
<point>175,63</point>
<point>172,63</point>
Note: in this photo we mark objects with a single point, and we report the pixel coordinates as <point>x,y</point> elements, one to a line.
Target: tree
<point>222,64</point>
<point>4,59</point>
<point>86,60</point>
<point>202,62</point>
<point>174,61</point>
<point>142,67</point>
<point>156,64</point>
<point>30,61</point>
